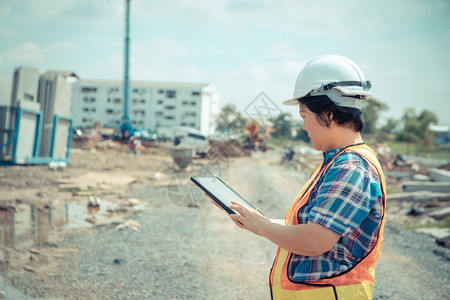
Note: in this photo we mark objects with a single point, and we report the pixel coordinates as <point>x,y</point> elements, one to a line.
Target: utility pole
<point>126,124</point>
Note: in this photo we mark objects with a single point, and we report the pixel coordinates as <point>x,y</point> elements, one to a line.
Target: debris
<point>445,241</point>
<point>118,261</point>
<point>51,245</point>
<point>57,165</point>
<point>420,177</point>
<point>413,211</point>
<point>440,214</point>
<point>439,187</point>
<point>7,207</point>
<point>70,187</point>
<point>133,202</point>
<point>29,269</point>
<point>419,196</point>
<point>33,257</point>
<point>435,232</point>
<point>129,224</point>
<point>94,201</point>
<point>440,175</point>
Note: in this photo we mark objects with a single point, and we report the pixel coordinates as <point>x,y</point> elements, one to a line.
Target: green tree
<point>416,128</point>
<point>387,131</point>
<point>371,110</point>
<point>283,124</point>
<point>230,120</point>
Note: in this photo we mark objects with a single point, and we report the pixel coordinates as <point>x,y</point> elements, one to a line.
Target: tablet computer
<point>220,192</point>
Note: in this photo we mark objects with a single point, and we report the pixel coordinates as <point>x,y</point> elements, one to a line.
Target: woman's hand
<point>248,218</point>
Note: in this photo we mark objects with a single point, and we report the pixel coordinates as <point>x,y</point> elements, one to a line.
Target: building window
<point>185,103</point>
<point>192,114</point>
<point>92,99</point>
<point>109,111</point>
<point>135,101</point>
<point>159,113</point>
<point>93,109</point>
<point>113,89</point>
<point>28,97</point>
<point>160,102</point>
<point>195,93</point>
<point>85,99</point>
<point>171,93</point>
<point>85,109</point>
<point>193,103</point>
<point>169,117</point>
<point>109,100</point>
<point>161,91</point>
<point>183,124</point>
<point>117,100</point>
<point>86,89</point>
<point>192,125</point>
<point>169,107</point>
<point>142,101</point>
<point>135,90</point>
<point>84,120</point>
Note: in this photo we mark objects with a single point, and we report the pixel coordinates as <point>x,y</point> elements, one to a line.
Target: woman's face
<point>317,133</point>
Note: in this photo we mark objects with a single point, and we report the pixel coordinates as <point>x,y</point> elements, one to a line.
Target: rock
<point>440,214</point>
<point>133,202</point>
<point>2,295</point>
<point>445,241</point>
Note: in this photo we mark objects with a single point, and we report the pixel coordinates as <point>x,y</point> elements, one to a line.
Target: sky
<point>242,47</point>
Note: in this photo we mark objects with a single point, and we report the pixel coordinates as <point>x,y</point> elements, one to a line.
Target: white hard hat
<point>335,76</point>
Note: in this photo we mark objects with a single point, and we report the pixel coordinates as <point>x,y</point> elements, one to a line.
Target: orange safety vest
<point>355,283</point>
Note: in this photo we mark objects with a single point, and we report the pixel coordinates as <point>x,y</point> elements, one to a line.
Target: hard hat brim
<point>291,102</point>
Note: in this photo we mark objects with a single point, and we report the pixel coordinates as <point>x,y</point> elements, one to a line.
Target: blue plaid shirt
<point>348,201</point>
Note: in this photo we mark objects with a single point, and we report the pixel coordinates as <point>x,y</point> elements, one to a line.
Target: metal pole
<point>126,80</point>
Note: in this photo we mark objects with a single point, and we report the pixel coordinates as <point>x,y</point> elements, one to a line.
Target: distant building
<point>152,105</point>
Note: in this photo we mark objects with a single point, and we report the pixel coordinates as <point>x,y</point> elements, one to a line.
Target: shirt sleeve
<point>343,199</point>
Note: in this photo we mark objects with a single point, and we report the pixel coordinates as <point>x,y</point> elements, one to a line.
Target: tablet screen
<point>220,192</point>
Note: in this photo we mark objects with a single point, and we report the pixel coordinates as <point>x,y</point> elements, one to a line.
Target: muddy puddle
<point>29,225</point>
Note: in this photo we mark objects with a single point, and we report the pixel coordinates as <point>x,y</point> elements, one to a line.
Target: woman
<point>330,240</point>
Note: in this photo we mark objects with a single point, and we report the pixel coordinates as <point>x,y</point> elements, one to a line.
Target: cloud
<point>27,54</point>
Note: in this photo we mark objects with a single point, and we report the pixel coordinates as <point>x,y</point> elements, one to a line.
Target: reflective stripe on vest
<point>355,283</point>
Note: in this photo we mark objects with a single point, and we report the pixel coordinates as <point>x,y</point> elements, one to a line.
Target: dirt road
<point>185,248</point>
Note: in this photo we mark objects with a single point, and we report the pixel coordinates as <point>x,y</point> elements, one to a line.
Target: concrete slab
<point>440,175</point>
<point>436,187</point>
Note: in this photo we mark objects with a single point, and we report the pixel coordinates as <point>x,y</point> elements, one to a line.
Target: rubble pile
<point>418,192</point>
<point>231,148</point>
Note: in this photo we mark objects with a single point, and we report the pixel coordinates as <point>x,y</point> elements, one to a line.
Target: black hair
<point>327,111</point>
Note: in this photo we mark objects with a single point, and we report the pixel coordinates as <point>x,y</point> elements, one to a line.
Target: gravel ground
<point>191,250</point>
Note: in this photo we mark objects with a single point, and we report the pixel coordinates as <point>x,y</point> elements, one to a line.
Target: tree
<point>230,120</point>
<point>387,131</point>
<point>416,128</point>
<point>283,124</point>
<point>371,110</point>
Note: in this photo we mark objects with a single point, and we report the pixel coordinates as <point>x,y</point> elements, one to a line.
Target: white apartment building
<point>152,105</point>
